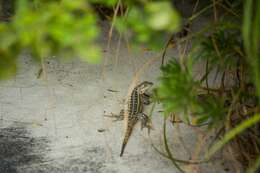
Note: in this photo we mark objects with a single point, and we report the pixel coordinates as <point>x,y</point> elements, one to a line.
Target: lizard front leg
<point>146,98</point>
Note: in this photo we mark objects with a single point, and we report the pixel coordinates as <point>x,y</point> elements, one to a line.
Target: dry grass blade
<point>168,149</point>
<point>110,33</point>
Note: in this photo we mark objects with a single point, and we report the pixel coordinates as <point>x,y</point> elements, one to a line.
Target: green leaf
<point>7,65</point>
<point>232,133</point>
<point>105,2</point>
<point>90,54</point>
<point>7,37</point>
<point>254,167</point>
<point>176,89</point>
<point>251,38</point>
<point>161,15</point>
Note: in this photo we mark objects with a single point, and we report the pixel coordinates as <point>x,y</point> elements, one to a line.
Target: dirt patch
<point>18,148</point>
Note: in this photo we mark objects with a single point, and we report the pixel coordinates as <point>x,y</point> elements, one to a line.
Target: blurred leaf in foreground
<point>149,23</point>
<point>53,28</point>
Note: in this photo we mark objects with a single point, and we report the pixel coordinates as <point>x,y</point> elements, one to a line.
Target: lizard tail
<point>122,149</point>
<point>127,135</point>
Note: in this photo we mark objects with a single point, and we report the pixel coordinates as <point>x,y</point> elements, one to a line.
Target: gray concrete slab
<point>52,124</point>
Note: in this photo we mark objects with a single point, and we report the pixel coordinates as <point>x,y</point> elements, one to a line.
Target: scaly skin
<point>135,111</point>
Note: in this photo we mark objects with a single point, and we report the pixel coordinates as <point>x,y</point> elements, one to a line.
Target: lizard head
<point>144,86</point>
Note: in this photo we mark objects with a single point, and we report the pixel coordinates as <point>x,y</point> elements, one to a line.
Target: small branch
<point>167,148</point>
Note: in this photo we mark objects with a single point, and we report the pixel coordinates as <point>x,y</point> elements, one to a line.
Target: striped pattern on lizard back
<point>135,107</point>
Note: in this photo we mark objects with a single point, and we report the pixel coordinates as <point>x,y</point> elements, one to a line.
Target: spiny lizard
<point>134,111</point>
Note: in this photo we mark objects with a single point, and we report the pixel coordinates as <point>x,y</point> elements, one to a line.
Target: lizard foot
<point>146,123</point>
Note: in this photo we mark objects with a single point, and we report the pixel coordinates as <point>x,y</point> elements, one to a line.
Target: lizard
<point>134,111</point>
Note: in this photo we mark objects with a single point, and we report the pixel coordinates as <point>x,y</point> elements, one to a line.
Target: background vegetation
<point>227,46</point>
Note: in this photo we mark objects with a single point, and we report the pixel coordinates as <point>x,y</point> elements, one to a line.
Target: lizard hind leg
<point>145,122</point>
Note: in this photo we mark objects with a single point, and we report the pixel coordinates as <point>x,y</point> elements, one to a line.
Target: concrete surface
<point>56,124</point>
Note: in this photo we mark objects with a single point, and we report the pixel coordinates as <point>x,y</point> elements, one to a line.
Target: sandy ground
<point>56,124</point>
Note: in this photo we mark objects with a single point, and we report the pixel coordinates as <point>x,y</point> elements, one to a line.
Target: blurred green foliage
<point>69,28</point>
<point>178,92</point>
<point>175,81</point>
<point>46,28</point>
<point>251,37</point>
<point>149,24</point>
<point>222,50</point>
<point>229,52</point>
<point>109,3</point>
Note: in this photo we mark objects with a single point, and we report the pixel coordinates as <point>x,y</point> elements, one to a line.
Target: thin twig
<point>215,11</point>
<point>165,49</point>
<point>167,148</point>
<point>110,33</point>
<point>229,10</point>
<point>193,17</point>
<point>177,160</point>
